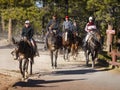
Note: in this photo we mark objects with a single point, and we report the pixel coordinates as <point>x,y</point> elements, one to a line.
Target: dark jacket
<point>27,32</point>
<point>53,24</point>
<point>75,28</point>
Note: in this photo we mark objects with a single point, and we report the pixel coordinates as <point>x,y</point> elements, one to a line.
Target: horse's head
<point>67,37</point>
<point>75,33</point>
<point>52,41</point>
<point>23,49</point>
<point>25,45</point>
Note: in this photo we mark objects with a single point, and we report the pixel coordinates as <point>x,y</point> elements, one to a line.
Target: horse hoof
<point>23,79</point>
<point>54,67</point>
<point>26,80</point>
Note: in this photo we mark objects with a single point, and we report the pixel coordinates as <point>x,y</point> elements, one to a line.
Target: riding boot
<point>35,50</point>
<point>85,44</point>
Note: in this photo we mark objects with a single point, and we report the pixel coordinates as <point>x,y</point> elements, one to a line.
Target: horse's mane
<point>54,40</point>
<point>93,42</point>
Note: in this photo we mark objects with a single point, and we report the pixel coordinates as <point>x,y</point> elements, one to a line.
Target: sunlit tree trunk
<point>10,31</point>
<point>3,23</point>
<point>109,41</point>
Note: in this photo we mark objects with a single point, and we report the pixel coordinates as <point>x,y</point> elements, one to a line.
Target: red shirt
<point>89,26</point>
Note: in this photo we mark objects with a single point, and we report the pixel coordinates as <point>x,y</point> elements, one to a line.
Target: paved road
<point>69,75</point>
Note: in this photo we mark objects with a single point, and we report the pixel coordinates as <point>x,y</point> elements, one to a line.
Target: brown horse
<point>54,42</point>
<point>67,40</point>
<point>76,45</point>
<point>25,54</point>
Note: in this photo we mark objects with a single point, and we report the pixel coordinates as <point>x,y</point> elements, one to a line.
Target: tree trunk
<point>110,27</point>
<point>3,24</point>
<point>109,39</point>
<point>10,31</point>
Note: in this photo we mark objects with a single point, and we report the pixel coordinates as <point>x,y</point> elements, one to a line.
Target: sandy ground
<point>7,76</point>
<point>71,75</point>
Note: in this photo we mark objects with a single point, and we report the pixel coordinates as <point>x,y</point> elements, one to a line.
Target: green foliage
<point>104,11</point>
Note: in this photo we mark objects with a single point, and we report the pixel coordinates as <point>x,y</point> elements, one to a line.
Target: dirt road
<point>68,76</point>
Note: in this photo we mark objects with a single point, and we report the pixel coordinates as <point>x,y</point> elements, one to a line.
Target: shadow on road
<point>44,83</point>
<point>38,83</point>
<point>82,71</point>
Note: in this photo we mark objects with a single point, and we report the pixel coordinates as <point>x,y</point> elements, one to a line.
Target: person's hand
<point>50,28</point>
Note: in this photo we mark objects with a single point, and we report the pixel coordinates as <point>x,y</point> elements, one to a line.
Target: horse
<point>67,40</point>
<point>76,44</point>
<point>92,47</point>
<point>25,54</point>
<point>54,43</point>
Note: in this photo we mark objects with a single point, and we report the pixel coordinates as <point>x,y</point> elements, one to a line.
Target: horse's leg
<point>88,54</point>
<point>51,53</point>
<point>76,49</point>
<point>87,57</point>
<point>72,49</point>
<point>20,67</point>
<point>27,63</point>
<point>64,50</point>
<point>31,63</point>
<point>94,56</point>
<point>67,51</point>
<point>56,56</point>
<point>24,69</point>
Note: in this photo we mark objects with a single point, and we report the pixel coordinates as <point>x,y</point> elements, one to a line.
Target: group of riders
<point>54,25</point>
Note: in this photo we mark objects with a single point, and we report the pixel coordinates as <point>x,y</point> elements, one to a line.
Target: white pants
<point>88,35</point>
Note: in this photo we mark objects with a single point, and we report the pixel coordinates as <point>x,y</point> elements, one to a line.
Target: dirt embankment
<point>6,81</point>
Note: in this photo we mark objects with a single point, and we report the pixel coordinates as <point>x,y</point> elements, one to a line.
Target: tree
<point>13,10</point>
<point>103,11</point>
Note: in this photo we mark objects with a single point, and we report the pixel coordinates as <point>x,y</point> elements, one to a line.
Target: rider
<point>75,28</point>
<point>27,34</point>
<point>67,24</point>
<point>90,27</point>
<point>53,25</point>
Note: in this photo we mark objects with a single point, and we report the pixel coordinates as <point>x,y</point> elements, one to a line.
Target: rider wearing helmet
<point>27,31</point>
<point>27,34</point>
<point>90,27</point>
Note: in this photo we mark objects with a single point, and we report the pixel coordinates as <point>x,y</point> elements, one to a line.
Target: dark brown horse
<point>92,47</point>
<point>25,54</point>
<point>54,42</point>
<point>67,40</point>
<point>76,45</point>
